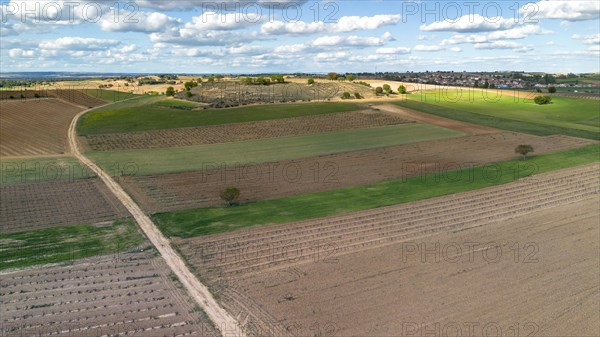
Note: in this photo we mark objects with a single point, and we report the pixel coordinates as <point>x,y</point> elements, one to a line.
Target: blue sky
<point>199,36</point>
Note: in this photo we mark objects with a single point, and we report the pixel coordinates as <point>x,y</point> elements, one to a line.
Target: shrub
<point>542,100</point>
<point>523,150</point>
<point>170,91</point>
<point>311,81</point>
<point>188,94</point>
<point>387,88</point>
<point>402,89</point>
<point>378,90</point>
<point>346,95</point>
<point>36,95</point>
<point>357,95</point>
<point>551,89</point>
<point>230,195</point>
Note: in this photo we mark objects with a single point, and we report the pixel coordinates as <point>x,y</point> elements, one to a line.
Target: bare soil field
<point>518,255</point>
<point>35,127</point>
<point>435,120</point>
<point>34,206</point>
<point>124,294</point>
<point>72,96</point>
<point>177,191</point>
<point>242,131</point>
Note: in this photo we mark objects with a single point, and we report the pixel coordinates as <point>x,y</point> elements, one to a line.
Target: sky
<point>259,36</point>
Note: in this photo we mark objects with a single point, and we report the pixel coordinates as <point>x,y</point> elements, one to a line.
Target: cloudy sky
<point>251,36</point>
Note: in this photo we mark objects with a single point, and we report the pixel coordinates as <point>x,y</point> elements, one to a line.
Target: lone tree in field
<point>387,88</point>
<point>170,91</point>
<point>346,95</point>
<point>230,195</point>
<point>540,100</point>
<point>402,89</point>
<point>311,81</point>
<point>552,89</point>
<point>523,150</point>
<point>332,76</point>
<point>378,91</point>
<point>350,77</point>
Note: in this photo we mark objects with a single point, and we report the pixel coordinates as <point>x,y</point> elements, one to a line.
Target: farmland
<point>35,127</point>
<point>568,116</point>
<point>27,170</point>
<point>215,220</point>
<point>264,150</point>
<point>180,191</point>
<point>152,113</point>
<point>227,133</point>
<point>127,293</point>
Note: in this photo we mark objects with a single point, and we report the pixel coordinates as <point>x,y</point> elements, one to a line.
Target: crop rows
<point>35,206</point>
<point>77,97</point>
<point>105,296</point>
<point>35,127</point>
<point>241,131</point>
<point>269,247</point>
<point>177,191</point>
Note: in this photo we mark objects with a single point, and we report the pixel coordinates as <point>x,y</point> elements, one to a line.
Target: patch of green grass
<point>197,222</point>
<point>42,170</point>
<point>153,161</point>
<point>108,95</point>
<point>176,104</point>
<point>66,244</point>
<point>150,113</point>
<point>566,116</point>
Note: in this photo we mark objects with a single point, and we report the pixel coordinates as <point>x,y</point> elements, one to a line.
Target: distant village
<point>501,80</point>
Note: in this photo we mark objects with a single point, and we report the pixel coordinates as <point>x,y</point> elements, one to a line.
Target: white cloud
<point>471,23</point>
<point>351,41</point>
<point>594,48</point>
<point>139,22</point>
<point>343,25</point>
<point>570,10</point>
<point>216,21</point>
<point>214,5</point>
<point>509,34</point>
<point>290,49</point>
<point>247,50</point>
<point>587,39</point>
<point>504,45</point>
<point>78,43</point>
<point>21,53</point>
<point>393,51</point>
<point>431,48</point>
<point>456,49</point>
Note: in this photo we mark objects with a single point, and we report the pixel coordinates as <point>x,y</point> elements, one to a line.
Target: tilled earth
<point>177,191</point>
<point>521,256</point>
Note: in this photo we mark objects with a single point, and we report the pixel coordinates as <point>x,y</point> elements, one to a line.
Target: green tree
<point>170,91</point>
<point>230,195</point>
<point>211,79</point>
<point>311,81</point>
<point>188,94</point>
<point>350,77</point>
<point>378,91</point>
<point>357,95</point>
<point>387,88</point>
<point>540,100</point>
<point>402,89</point>
<point>552,89</point>
<point>523,150</point>
<point>346,95</point>
<point>332,76</point>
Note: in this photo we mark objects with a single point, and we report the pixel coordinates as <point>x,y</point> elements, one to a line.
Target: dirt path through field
<point>440,121</point>
<point>199,292</point>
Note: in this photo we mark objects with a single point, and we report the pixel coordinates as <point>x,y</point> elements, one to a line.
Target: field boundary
<point>198,291</point>
<point>496,122</point>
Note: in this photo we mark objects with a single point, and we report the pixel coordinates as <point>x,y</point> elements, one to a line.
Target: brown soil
<point>432,119</point>
<point>35,206</point>
<point>72,96</point>
<point>35,127</point>
<point>386,272</point>
<point>177,191</point>
<point>128,294</point>
<point>242,131</point>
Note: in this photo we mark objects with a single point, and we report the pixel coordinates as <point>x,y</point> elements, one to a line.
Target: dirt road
<point>199,292</point>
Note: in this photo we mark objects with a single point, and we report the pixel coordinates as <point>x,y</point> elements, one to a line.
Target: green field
<point>108,95</point>
<point>66,244</point>
<point>568,116</point>
<point>196,222</point>
<point>41,170</point>
<point>155,112</point>
<point>152,161</point>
